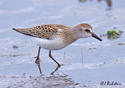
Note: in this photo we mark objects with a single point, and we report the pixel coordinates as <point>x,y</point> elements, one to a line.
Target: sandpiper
<point>56,36</point>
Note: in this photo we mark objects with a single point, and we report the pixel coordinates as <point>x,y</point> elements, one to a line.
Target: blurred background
<point>86,62</point>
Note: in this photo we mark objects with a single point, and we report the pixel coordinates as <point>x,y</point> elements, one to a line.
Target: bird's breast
<point>53,44</point>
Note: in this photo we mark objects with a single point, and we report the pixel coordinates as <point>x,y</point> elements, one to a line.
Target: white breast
<point>54,44</point>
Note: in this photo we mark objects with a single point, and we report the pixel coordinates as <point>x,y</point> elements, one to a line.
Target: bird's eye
<point>87,30</point>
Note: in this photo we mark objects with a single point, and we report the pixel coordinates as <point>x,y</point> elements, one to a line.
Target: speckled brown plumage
<point>43,31</point>
<point>59,26</point>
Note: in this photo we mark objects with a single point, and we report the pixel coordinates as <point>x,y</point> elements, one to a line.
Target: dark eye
<point>87,30</point>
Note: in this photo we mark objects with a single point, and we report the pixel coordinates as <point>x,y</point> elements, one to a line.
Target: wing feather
<point>41,31</point>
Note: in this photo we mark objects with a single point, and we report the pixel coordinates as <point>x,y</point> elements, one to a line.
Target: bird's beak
<point>95,36</point>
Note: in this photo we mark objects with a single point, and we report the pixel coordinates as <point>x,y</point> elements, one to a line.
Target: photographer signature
<point>102,83</point>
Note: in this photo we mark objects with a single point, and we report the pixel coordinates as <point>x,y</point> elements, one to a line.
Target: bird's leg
<point>37,58</point>
<point>53,58</point>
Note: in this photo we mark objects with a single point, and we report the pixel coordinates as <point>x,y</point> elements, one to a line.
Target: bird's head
<point>85,30</point>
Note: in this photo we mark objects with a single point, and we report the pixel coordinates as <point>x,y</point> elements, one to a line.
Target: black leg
<point>53,58</point>
<point>37,58</point>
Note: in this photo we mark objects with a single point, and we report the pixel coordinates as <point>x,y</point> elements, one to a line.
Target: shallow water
<point>86,63</point>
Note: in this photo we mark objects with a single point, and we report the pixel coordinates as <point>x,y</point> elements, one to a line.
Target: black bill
<point>95,36</point>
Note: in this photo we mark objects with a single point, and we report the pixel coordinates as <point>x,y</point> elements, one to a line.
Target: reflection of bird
<point>55,36</point>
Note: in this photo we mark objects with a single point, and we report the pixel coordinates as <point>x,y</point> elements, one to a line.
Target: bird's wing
<point>59,26</point>
<point>41,31</point>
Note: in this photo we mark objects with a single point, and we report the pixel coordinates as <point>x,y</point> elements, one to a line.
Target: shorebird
<point>56,36</point>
